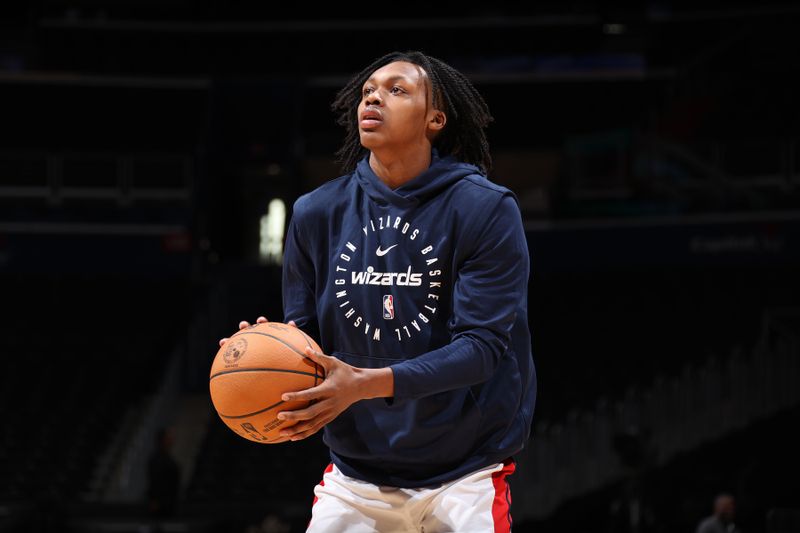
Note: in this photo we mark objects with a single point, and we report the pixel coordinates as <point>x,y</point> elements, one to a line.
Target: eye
<point>367,90</point>
<point>397,89</point>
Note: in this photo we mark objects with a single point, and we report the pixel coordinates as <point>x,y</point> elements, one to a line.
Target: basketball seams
<point>264,410</point>
<point>284,370</point>
<point>245,332</point>
<point>306,337</point>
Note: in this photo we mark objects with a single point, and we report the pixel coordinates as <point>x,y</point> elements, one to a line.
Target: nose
<point>373,98</point>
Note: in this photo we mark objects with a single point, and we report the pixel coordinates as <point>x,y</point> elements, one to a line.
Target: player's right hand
<point>245,324</point>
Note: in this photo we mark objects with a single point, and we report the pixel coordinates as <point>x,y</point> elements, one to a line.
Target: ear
<point>436,121</point>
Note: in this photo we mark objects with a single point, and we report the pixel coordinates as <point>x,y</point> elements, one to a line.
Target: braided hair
<point>467,113</point>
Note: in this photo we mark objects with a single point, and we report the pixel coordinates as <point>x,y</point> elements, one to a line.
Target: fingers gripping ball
<point>253,369</point>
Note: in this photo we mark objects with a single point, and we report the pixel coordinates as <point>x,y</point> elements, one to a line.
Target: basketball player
<point>411,270</point>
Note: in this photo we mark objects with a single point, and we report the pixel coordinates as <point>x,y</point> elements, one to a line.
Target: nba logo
<point>388,306</point>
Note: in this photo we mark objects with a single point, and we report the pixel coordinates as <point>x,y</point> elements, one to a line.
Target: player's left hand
<point>336,393</point>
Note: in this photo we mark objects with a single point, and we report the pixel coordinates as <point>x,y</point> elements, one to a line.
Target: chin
<point>369,141</point>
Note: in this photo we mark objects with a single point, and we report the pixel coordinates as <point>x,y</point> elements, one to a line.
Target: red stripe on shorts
<point>322,483</point>
<point>501,506</point>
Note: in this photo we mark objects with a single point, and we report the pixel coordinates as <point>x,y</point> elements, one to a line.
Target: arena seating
<point>77,352</point>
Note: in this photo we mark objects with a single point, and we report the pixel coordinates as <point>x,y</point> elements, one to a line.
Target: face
<point>396,108</point>
<point>725,508</point>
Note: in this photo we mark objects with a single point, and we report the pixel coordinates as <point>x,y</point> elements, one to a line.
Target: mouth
<point>370,119</point>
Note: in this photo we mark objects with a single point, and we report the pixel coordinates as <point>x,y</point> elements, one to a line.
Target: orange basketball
<point>253,369</point>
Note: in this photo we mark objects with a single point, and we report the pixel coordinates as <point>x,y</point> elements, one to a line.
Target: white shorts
<point>477,502</point>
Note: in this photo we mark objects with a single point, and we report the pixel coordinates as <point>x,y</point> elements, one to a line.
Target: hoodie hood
<point>442,172</point>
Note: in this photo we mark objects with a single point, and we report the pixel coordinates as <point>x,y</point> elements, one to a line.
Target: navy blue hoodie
<point>431,280</point>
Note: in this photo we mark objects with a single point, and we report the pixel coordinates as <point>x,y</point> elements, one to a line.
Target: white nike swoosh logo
<point>381,253</point>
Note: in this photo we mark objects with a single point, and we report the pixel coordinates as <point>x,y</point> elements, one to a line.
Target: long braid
<point>467,113</point>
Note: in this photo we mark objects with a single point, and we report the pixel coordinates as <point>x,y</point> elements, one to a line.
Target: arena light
<point>270,247</point>
<point>614,29</point>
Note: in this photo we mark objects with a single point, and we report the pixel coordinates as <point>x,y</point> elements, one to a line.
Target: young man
<point>721,521</point>
<point>411,271</point>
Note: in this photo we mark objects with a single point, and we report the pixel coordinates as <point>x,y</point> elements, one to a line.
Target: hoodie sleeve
<point>298,279</point>
<point>490,287</point>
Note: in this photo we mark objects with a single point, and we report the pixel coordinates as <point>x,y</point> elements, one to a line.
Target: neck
<point>395,169</point>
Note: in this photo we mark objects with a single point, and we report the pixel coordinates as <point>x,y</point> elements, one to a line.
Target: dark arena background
<point>150,154</point>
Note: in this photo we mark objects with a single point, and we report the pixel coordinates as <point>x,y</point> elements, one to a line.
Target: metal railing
<point>124,179</point>
<point>704,403</point>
